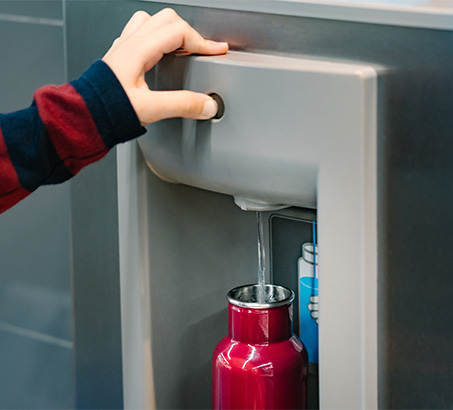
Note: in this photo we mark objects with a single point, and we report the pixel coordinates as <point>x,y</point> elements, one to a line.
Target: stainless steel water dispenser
<point>295,132</point>
<point>335,113</point>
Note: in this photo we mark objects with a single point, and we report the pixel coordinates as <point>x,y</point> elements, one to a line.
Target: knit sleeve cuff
<point>109,104</point>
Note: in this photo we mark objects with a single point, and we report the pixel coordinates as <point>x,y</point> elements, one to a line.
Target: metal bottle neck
<point>260,315</point>
<point>259,325</point>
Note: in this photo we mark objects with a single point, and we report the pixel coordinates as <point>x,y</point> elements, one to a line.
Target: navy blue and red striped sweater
<point>66,128</point>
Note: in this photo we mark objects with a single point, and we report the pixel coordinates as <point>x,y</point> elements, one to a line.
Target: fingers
<point>135,22</point>
<point>175,36</point>
<point>180,35</point>
<point>141,23</point>
<point>170,104</point>
<point>163,33</point>
<point>143,42</point>
<point>166,32</point>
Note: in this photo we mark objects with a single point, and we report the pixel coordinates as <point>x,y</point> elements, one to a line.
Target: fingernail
<point>209,109</point>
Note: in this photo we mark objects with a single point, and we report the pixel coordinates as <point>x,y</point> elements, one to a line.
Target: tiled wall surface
<point>35,297</point>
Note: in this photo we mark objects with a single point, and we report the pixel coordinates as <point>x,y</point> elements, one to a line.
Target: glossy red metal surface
<point>260,364</point>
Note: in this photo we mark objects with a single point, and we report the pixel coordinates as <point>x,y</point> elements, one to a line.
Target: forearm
<point>65,129</point>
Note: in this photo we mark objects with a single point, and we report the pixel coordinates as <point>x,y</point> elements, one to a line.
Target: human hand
<point>143,42</point>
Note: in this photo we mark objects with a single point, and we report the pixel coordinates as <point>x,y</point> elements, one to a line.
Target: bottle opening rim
<point>248,296</point>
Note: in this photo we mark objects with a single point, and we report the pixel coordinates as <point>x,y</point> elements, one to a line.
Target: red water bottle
<point>260,364</point>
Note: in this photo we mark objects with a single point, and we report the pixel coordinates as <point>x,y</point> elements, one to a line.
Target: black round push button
<point>220,105</point>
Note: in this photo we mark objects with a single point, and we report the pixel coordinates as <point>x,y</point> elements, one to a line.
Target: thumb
<point>159,105</point>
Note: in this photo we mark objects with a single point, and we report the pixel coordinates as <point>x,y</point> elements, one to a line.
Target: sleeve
<point>66,128</point>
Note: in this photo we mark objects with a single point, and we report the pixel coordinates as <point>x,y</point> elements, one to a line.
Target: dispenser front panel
<point>280,115</point>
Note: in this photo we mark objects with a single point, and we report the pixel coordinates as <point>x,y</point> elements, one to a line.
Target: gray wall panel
<point>50,9</point>
<point>35,302</point>
<point>31,367</point>
<point>32,56</point>
<point>97,328</point>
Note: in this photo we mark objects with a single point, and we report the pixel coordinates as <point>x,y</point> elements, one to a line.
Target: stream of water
<point>261,294</point>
